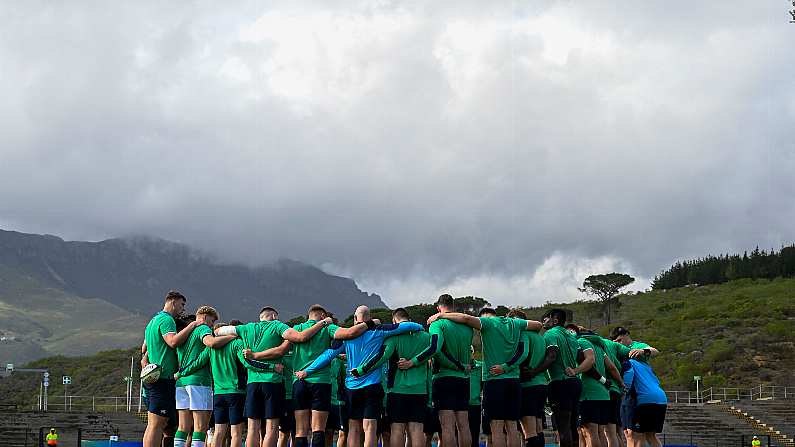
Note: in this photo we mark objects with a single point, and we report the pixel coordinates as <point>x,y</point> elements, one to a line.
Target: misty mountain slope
<point>135,273</point>
<point>76,298</point>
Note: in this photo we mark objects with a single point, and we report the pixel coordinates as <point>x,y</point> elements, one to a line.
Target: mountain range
<point>74,298</point>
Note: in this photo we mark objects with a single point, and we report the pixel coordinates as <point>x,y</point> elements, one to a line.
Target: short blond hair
<point>207,310</point>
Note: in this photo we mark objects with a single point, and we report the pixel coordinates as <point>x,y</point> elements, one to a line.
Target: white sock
<point>195,443</point>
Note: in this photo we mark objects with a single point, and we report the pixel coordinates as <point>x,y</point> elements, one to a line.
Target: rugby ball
<point>150,373</point>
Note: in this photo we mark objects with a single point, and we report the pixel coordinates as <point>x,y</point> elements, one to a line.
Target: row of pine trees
<point>719,269</point>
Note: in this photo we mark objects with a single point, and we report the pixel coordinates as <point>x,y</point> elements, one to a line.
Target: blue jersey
<point>647,386</point>
<point>359,350</point>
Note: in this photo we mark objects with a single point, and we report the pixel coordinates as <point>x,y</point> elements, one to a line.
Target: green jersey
<point>189,352</point>
<point>475,382</point>
<point>429,387</point>
<point>287,362</point>
<point>338,372</point>
<point>617,353</point>
<point>406,346</point>
<point>591,388</point>
<point>501,336</point>
<point>567,352</point>
<point>229,375</point>
<point>157,350</point>
<point>261,336</point>
<point>640,345</point>
<point>450,347</point>
<point>537,347</point>
<point>306,353</point>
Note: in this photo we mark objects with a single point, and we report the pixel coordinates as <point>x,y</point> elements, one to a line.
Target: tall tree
<point>606,287</point>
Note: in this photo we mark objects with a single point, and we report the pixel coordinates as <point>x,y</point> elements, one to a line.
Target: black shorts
<point>564,394</point>
<point>337,418</point>
<point>365,403</point>
<point>448,393</point>
<point>287,421</point>
<point>402,408</point>
<point>628,412</point>
<point>228,408</point>
<point>649,418</point>
<point>595,412</point>
<point>162,397</point>
<point>431,423</point>
<point>383,425</point>
<point>615,409</point>
<point>502,399</point>
<point>533,399</point>
<point>315,396</point>
<point>474,424</point>
<point>264,400</point>
<point>485,422</point>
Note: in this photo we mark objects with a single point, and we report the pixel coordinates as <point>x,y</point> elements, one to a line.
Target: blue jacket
<point>647,386</point>
<point>359,350</point>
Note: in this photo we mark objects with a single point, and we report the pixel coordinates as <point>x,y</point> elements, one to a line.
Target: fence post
<point>93,403</point>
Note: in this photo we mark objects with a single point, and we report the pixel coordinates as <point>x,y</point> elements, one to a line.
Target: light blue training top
<point>361,349</point>
<point>647,385</point>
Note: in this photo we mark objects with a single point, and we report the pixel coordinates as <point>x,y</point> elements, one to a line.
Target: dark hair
<point>446,300</point>
<point>268,309</point>
<point>235,323</point>
<point>400,313</point>
<point>183,321</point>
<point>559,314</point>
<point>573,327</point>
<point>618,331</point>
<point>487,310</point>
<point>174,295</point>
<point>316,308</point>
<point>517,313</point>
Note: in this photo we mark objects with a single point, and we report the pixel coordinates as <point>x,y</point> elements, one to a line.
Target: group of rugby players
<point>296,386</point>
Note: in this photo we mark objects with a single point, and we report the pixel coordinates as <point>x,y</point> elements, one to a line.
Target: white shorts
<point>195,398</point>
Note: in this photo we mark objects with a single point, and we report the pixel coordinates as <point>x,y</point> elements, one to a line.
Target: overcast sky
<point>499,149</point>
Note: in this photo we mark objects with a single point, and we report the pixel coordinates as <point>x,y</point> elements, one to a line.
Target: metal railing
<point>701,440</point>
<point>731,394</point>
<point>93,403</point>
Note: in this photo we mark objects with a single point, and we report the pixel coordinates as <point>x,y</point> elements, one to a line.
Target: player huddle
<point>296,386</point>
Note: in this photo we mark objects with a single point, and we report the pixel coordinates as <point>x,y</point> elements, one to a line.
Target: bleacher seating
<point>21,428</point>
<point>703,425</point>
<point>776,416</point>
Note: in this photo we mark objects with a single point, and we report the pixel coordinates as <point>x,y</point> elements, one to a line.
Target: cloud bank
<point>503,150</point>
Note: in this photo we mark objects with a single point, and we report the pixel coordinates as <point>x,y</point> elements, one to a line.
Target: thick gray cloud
<point>503,150</point>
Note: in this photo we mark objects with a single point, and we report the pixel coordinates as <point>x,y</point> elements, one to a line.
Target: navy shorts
<point>447,393</point>
<point>627,412</point>
<point>315,396</point>
<point>485,422</point>
<point>162,396</point>
<point>287,422</point>
<point>474,424</point>
<point>228,408</point>
<point>431,423</point>
<point>337,418</point>
<point>564,395</point>
<point>649,418</point>
<point>615,409</point>
<point>501,399</point>
<point>366,402</point>
<point>264,400</point>
<point>595,412</point>
<point>533,400</point>
<point>402,408</point>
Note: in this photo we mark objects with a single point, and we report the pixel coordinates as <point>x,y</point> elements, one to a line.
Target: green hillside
<point>741,333</point>
<point>37,320</point>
